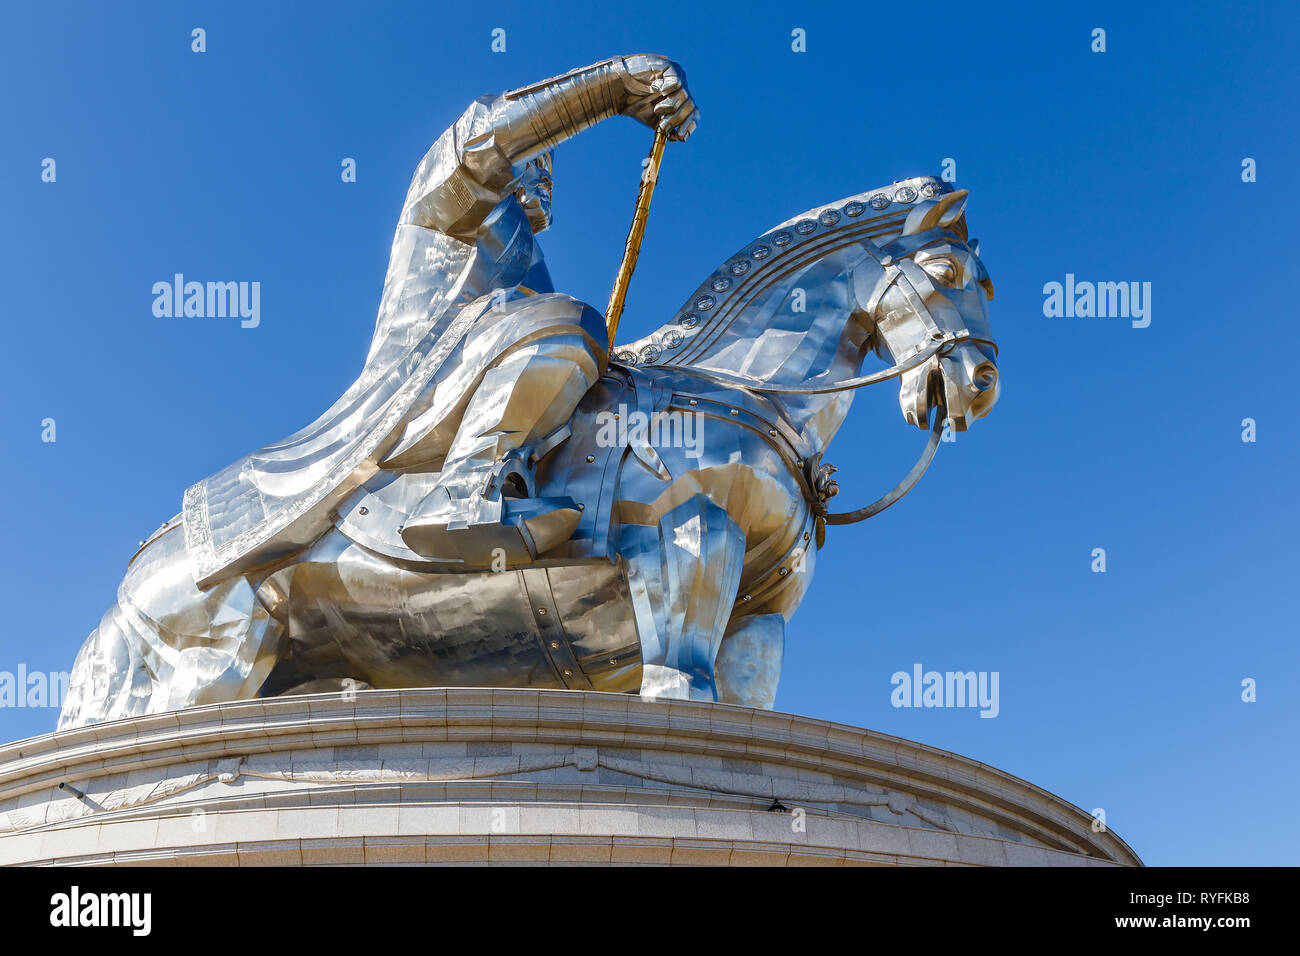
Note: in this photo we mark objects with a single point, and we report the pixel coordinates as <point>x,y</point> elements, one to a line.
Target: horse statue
<point>654,538</point>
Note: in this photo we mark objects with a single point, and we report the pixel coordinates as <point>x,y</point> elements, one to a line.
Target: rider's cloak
<point>278,499</point>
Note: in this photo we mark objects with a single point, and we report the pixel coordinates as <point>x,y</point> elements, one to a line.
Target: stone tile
<point>442,749</point>
<point>488,750</point>
<point>760,854</point>
<point>124,835</point>
<point>245,826</point>
<point>151,858</point>
<point>450,850</point>
<point>982,852</point>
<point>815,856</point>
<point>1022,854</point>
<point>220,855</point>
<point>700,853</point>
<point>19,848</point>
<point>884,838</point>
<point>608,819</point>
<point>723,825</point>
<point>666,822</point>
<point>270,853</point>
<point>775,828</point>
<point>368,820</point>
<point>392,850</point>
<point>492,820</point>
<point>830,831</point>
<point>349,851</point>
<point>932,844</point>
<point>428,820</point>
<point>305,823</point>
<point>646,852</point>
<point>185,830</point>
<point>74,841</point>
<point>519,849</point>
<point>577,849</point>
<point>550,819</point>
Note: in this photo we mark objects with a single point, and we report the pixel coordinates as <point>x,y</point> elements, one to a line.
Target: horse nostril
<point>986,376</point>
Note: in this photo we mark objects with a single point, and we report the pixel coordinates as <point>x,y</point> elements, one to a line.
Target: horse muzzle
<point>965,381</point>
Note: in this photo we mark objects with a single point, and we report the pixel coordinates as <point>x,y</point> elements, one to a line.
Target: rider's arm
<point>469,169</point>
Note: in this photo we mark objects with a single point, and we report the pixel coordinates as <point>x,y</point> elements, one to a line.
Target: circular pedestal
<point>517,776</point>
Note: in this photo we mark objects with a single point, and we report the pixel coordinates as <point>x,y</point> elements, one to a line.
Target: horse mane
<point>741,299</point>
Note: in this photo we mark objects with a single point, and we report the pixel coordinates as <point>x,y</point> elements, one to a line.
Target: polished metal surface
<point>494,502</point>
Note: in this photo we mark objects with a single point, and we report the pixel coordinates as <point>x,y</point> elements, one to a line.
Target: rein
<point>904,486</point>
<point>940,347</point>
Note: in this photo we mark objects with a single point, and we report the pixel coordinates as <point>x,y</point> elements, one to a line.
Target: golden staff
<point>632,248</point>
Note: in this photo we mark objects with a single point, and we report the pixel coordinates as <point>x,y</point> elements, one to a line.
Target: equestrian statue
<point>499,501</point>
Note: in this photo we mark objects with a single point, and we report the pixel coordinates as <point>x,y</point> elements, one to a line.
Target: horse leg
<point>683,574</point>
<point>108,680</point>
<point>168,644</point>
<point>749,662</point>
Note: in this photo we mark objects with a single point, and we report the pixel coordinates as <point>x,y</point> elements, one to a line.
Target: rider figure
<point>487,182</point>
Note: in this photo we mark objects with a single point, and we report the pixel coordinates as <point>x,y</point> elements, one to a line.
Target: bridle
<point>941,342</point>
<point>896,269</point>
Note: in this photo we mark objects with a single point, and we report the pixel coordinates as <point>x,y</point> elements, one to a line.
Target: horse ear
<point>943,211</point>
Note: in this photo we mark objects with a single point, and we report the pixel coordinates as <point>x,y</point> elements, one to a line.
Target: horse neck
<point>768,340</point>
<point>819,417</point>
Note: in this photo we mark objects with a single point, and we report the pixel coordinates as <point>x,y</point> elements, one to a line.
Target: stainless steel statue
<point>494,502</point>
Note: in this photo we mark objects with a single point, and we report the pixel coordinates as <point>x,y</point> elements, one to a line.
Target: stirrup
<point>491,525</point>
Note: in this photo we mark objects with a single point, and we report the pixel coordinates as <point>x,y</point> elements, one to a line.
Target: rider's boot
<point>483,511</point>
<point>484,507</point>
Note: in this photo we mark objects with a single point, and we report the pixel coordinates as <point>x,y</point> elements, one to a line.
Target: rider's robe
<point>278,499</point>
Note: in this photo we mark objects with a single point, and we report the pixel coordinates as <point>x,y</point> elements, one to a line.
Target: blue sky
<point>1119,690</point>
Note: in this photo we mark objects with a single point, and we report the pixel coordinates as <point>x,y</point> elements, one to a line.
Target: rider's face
<point>534,192</point>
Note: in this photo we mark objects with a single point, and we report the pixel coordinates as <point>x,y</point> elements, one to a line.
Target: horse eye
<point>941,268</point>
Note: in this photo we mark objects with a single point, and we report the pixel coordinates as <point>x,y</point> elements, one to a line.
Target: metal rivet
<point>694,402</point>
<point>568,673</point>
<point>772,432</point>
<point>591,458</point>
<point>613,660</point>
<point>805,535</point>
<point>748,596</point>
<point>555,645</point>
<point>363,511</point>
<point>735,412</point>
<point>616,414</point>
<point>581,506</point>
<point>784,571</point>
<point>542,611</point>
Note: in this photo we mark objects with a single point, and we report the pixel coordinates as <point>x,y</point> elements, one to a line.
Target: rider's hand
<point>658,96</point>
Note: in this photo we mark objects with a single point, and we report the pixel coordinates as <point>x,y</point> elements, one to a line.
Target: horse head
<point>799,309</point>
<point>927,285</point>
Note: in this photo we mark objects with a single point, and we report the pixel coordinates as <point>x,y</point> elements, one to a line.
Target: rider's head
<point>533,190</point>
